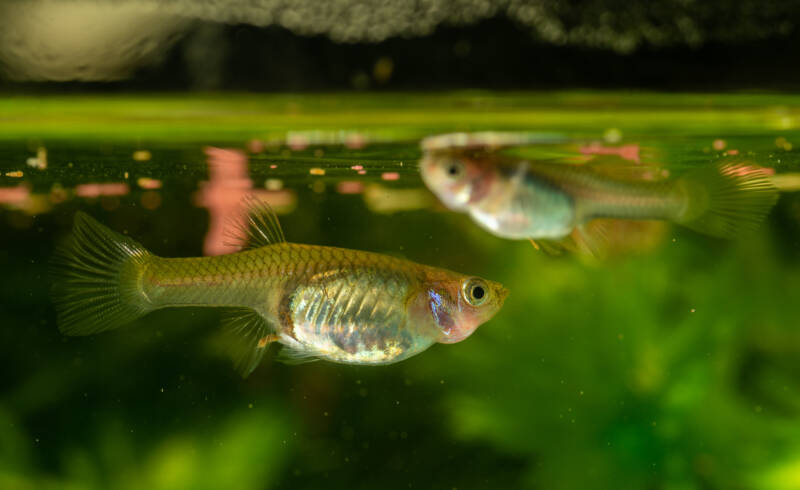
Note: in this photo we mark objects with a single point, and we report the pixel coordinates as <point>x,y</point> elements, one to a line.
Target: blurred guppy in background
<point>547,200</point>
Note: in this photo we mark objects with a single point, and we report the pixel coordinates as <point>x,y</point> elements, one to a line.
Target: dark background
<point>496,53</point>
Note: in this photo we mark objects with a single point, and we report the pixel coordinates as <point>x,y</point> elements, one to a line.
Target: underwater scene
<point>460,290</point>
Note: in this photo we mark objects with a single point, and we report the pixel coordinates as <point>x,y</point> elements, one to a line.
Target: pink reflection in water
<point>350,187</point>
<point>97,189</point>
<point>14,195</point>
<point>628,152</point>
<point>223,195</point>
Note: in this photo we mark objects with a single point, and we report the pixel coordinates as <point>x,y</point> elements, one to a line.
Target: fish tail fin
<point>725,200</point>
<point>96,279</point>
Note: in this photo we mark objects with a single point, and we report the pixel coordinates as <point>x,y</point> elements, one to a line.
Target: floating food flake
<point>15,173</point>
<point>719,144</point>
<point>357,167</point>
<point>390,176</point>
<point>142,155</point>
<point>148,183</point>
<point>317,171</point>
<point>362,172</point>
<point>273,166</point>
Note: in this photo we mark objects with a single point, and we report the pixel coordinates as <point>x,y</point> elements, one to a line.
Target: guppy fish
<point>528,199</point>
<point>341,305</point>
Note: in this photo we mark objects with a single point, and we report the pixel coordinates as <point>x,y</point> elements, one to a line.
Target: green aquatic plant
<point>639,374</point>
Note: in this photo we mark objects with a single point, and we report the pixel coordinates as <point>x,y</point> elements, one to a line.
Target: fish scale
<point>320,302</point>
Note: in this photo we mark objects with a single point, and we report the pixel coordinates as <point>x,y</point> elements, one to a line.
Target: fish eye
<point>475,291</point>
<point>454,169</point>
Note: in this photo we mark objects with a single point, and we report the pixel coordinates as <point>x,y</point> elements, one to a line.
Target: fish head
<point>458,179</point>
<point>458,306</point>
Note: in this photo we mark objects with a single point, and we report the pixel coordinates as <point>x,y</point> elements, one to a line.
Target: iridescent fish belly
<point>355,316</point>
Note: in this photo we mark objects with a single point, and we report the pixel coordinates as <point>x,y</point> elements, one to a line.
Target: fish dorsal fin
<point>260,226</point>
<point>249,336</point>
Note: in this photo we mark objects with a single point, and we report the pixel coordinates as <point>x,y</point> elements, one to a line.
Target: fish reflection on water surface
<point>547,200</point>
<point>320,302</point>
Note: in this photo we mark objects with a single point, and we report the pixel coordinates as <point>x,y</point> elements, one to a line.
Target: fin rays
<point>260,227</point>
<point>727,199</point>
<point>250,335</point>
<point>94,279</point>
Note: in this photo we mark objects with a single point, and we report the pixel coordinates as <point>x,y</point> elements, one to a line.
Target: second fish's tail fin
<point>95,277</point>
<point>727,199</point>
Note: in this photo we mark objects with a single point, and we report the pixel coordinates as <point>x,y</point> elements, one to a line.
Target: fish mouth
<point>502,294</point>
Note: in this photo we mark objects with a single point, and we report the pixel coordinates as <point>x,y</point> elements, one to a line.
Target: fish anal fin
<point>259,227</point>
<point>249,337</point>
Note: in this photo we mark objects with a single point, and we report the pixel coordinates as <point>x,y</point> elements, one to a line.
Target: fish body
<point>527,199</point>
<point>329,303</point>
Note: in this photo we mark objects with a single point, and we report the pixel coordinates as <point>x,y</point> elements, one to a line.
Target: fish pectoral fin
<point>249,336</point>
<point>259,228</point>
<point>294,355</point>
<point>553,248</point>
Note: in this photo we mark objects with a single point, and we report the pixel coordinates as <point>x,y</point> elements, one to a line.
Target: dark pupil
<point>478,292</point>
<point>453,170</point>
